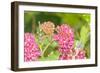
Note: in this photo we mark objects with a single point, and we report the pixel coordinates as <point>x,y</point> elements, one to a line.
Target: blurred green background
<point>80,22</point>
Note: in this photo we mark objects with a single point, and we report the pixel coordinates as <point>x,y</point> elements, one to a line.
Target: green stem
<point>40,46</point>
<point>46,48</point>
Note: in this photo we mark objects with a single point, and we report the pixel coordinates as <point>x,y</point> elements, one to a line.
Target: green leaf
<point>87,49</point>
<point>84,34</point>
<point>86,17</point>
<point>51,48</point>
<point>54,55</point>
<point>42,59</point>
<point>28,22</point>
<point>54,44</point>
<point>87,52</point>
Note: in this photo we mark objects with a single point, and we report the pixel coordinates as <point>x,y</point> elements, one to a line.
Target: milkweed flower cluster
<point>65,38</point>
<point>76,54</point>
<point>48,27</point>
<point>80,54</point>
<point>31,49</point>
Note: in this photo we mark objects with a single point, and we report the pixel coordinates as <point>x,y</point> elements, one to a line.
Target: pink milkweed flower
<point>68,55</point>
<point>65,51</point>
<point>80,54</point>
<point>73,54</point>
<point>31,49</point>
<point>65,57</point>
<point>64,37</point>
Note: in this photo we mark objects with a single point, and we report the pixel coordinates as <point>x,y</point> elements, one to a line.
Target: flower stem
<point>46,48</point>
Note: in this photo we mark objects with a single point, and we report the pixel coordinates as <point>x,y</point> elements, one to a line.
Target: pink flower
<point>65,51</point>
<point>80,54</point>
<point>64,37</point>
<point>31,50</point>
<point>73,54</point>
<point>68,55</point>
<point>65,57</point>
